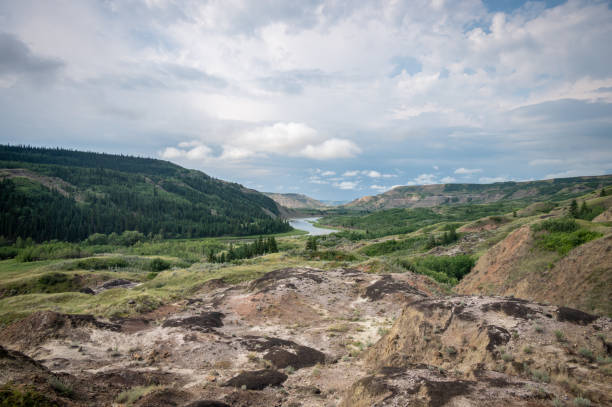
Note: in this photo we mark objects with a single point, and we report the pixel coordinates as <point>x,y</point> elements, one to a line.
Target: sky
<point>334,99</point>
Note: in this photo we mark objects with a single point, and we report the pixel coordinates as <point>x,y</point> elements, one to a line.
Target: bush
<point>562,242</point>
<point>13,397</point>
<point>582,402</point>
<point>8,252</point>
<point>540,376</point>
<point>556,225</point>
<point>444,269</point>
<point>61,387</point>
<point>53,279</point>
<point>49,251</point>
<point>158,264</point>
<point>97,239</point>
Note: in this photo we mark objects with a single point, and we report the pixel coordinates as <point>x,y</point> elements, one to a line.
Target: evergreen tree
<point>311,244</point>
<point>573,209</point>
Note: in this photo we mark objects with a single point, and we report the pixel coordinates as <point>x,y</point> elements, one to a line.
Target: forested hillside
<point>68,195</point>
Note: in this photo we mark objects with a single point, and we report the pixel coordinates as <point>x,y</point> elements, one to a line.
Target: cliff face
<point>486,351</point>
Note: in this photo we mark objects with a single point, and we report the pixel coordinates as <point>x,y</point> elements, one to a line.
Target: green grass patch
<point>443,269</point>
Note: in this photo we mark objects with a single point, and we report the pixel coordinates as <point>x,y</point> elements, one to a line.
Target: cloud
<point>269,86</point>
<point>467,171</point>
<point>346,184</point>
<point>425,179</point>
<point>448,180</point>
<point>490,180</point>
<point>331,149</point>
<point>190,150</point>
<point>328,173</point>
<point>18,60</point>
<point>379,187</point>
<point>317,180</point>
<point>296,140</point>
<point>545,161</point>
<point>367,173</point>
<point>236,153</point>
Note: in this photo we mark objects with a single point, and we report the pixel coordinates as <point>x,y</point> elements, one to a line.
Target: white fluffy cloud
<point>489,180</point>
<point>425,179</point>
<point>188,150</point>
<point>346,184</point>
<point>467,171</point>
<point>294,140</point>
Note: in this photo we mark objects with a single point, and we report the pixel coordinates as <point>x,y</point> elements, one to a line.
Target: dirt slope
<point>582,279</point>
<point>483,351</point>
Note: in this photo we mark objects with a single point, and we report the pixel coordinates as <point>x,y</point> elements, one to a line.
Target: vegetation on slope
<point>103,193</point>
<point>555,190</point>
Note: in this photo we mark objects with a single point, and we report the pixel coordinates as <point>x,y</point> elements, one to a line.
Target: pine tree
<point>584,209</point>
<point>311,244</point>
<point>573,210</point>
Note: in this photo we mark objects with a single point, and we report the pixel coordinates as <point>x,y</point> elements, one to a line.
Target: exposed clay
<point>497,336</point>
<point>512,308</point>
<point>257,380</point>
<point>275,276</point>
<point>203,322</point>
<point>575,316</point>
<point>282,353</point>
<point>388,285</point>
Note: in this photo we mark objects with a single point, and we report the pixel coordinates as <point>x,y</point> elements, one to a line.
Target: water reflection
<point>306,225</point>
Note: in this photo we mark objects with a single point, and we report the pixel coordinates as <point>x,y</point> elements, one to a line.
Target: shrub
<point>61,387</point>
<point>158,264</point>
<point>560,336</point>
<point>587,353</point>
<point>528,350</point>
<point>53,279</point>
<point>582,402</point>
<point>7,252</point>
<point>444,269</point>
<point>556,225</point>
<point>13,397</point>
<point>540,376</point>
<point>134,394</point>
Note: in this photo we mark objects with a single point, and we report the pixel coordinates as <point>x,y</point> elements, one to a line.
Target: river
<point>306,224</point>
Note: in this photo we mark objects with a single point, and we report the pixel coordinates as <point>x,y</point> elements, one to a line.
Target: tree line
<point>246,251</point>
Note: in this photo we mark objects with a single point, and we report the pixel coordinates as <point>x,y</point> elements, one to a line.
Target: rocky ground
<point>307,337</point>
<point>293,336</point>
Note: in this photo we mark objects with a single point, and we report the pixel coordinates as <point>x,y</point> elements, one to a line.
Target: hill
<point>556,260</point>
<point>68,195</point>
<point>295,201</point>
<point>427,196</point>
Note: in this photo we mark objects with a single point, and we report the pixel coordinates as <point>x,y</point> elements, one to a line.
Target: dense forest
<point>69,195</point>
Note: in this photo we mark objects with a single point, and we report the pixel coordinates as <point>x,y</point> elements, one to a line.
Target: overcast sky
<point>335,99</point>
